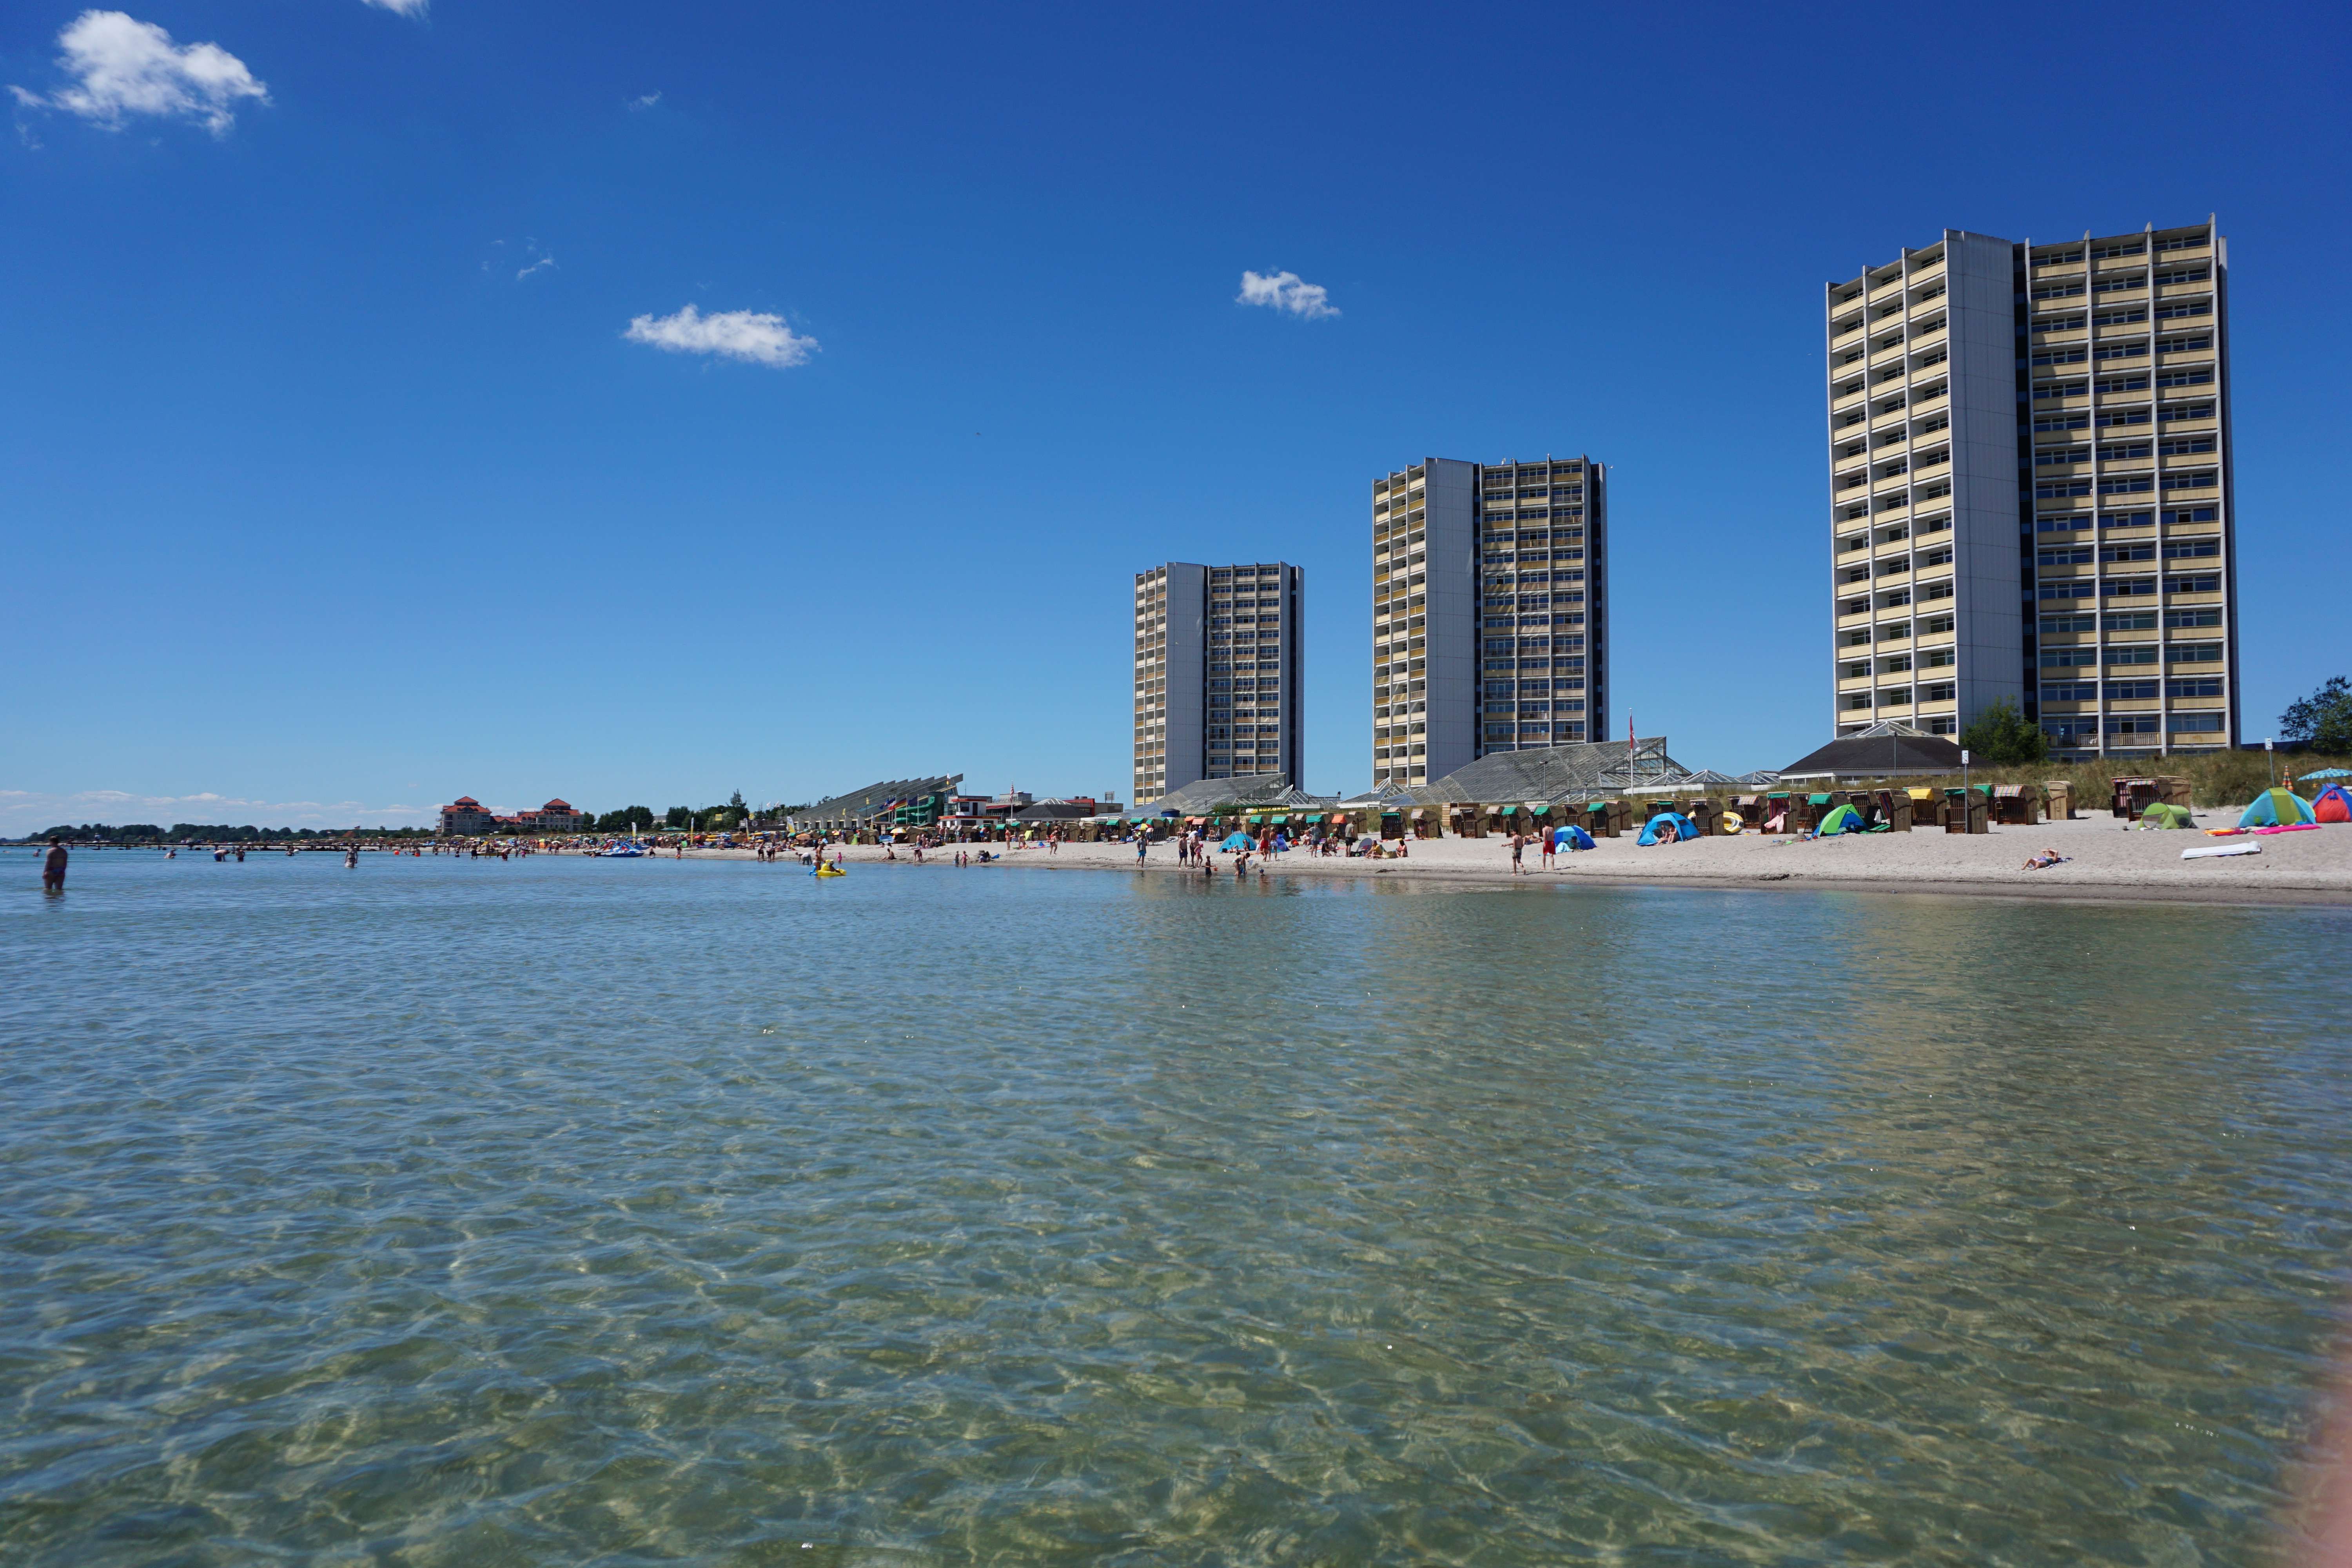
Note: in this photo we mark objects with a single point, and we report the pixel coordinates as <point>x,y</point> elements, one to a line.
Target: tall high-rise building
<point>2068,399</point>
<point>1490,612</point>
<point>1217,674</point>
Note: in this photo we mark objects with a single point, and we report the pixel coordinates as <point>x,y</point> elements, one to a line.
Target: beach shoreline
<point>2103,863</point>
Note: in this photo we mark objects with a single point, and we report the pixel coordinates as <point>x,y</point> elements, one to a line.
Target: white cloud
<point>26,811</point>
<point>646,102</point>
<point>406,7</point>
<point>539,261</point>
<point>121,66</point>
<point>1285,291</point>
<point>734,334</point>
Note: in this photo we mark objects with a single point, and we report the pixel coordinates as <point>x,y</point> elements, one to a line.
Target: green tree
<point>2001,735</point>
<point>2322,720</point>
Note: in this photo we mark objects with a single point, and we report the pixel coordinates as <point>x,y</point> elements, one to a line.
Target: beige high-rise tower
<point>1490,612</point>
<point>2063,410</point>
<point>1217,665</point>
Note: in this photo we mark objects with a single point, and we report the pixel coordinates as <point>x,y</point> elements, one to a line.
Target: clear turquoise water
<point>568,1211</point>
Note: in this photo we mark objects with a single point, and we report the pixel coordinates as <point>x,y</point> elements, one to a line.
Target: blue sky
<point>335,485</point>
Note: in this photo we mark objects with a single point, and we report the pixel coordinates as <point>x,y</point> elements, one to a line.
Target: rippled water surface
<point>566,1212</point>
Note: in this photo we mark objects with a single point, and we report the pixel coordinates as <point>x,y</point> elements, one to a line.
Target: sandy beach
<point>2105,861</point>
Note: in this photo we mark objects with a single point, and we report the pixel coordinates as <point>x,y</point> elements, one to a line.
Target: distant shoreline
<point>2104,865</point>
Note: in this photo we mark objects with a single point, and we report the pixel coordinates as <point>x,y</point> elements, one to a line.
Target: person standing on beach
<point>1551,846</point>
<point>1518,854</point>
<point>1142,844</point>
<point>52,867</point>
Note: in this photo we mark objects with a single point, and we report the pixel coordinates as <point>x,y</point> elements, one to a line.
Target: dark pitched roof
<point>1556,773</point>
<point>1878,756</point>
<point>1204,795</point>
<point>871,800</point>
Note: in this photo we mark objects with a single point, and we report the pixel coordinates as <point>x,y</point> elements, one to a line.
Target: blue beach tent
<point>1683,825</point>
<point>1571,837</point>
<point>1238,841</point>
<point>1843,818</point>
<point>2277,808</point>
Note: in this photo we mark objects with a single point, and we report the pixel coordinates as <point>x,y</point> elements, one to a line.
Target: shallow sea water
<point>570,1211</point>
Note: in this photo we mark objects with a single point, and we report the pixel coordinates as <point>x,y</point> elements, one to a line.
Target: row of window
<point>2126,484</point>
<point>1896,631</point>
<point>2175,447</point>
<point>2076,353</point>
<point>2137,550</point>
<point>2191,375</point>
<point>2164,310</point>
<point>2123,248</point>
<point>2137,414</point>
<point>2132,315</point>
<point>2084,730</point>
<point>1533,576</point>
<point>2070,521</point>
<point>2086,657</point>
<point>2131,690</point>
<point>2124,588</point>
<point>2131,620</point>
<point>1897,696</point>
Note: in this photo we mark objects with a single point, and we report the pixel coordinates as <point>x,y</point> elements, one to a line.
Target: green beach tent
<point>2277,808</point>
<point>2158,814</point>
<point>1841,818</point>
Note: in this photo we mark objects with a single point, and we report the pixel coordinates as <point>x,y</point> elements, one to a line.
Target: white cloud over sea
<point>29,811</point>
<point>121,68</point>
<point>730,334</point>
<point>406,7</point>
<point>1285,291</point>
